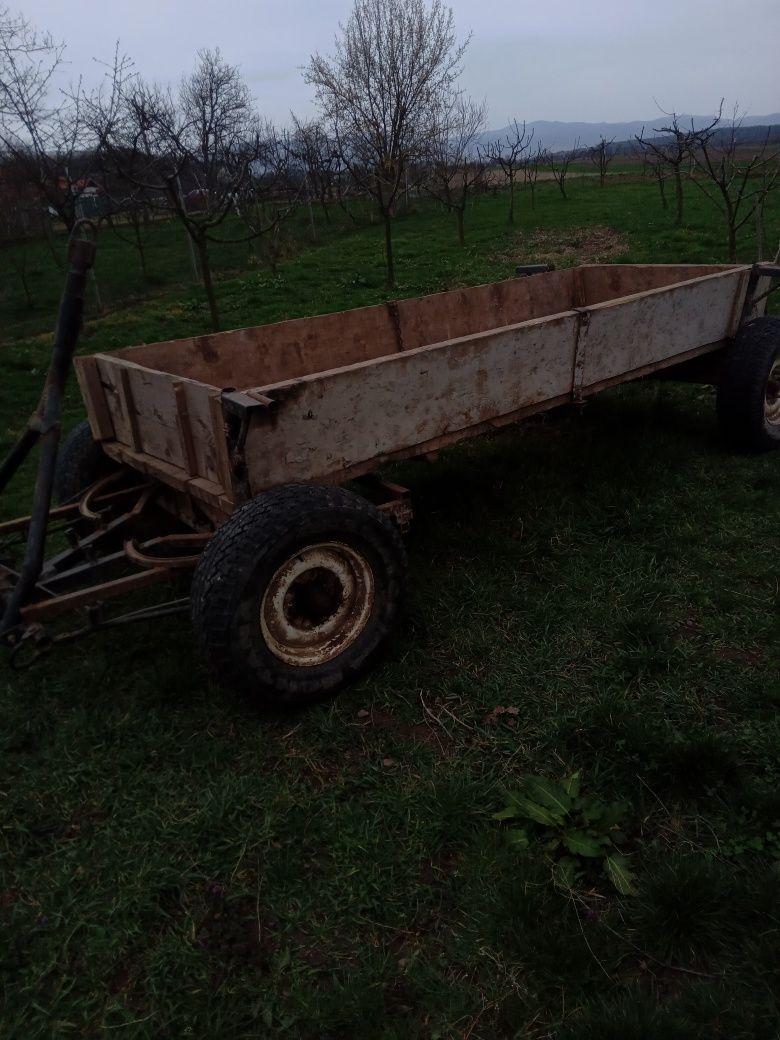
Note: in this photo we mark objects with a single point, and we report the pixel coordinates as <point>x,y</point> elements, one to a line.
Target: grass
<point>176,864</point>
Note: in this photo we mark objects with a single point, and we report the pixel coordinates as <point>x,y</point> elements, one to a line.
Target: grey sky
<point>586,60</point>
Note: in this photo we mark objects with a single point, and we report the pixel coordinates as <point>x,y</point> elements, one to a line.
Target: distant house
<point>196,200</point>
<point>80,186</point>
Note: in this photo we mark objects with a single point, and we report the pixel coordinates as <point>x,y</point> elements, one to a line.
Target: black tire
<point>305,536</point>
<point>80,463</point>
<point>748,399</point>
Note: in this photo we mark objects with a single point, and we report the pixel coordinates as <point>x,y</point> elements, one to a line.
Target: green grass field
<point>594,592</point>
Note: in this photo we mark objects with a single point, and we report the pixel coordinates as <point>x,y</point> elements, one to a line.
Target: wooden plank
<point>665,366</point>
<point>185,429</point>
<point>224,469</point>
<point>603,282</point>
<point>208,491</point>
<point>175,476</point>
<point>580,295</point>
<point>646,329</point>
<point>108,369</point>
<point>201,421</point>
<point>269,354</point>
<point>408,402</point>
<point>479,308</point>
<point>93,392</point>
<point>156,406</point>
<point>430,448</point>
<point>132,416</point>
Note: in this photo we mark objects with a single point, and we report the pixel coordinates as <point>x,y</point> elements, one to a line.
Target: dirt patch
<point>380,721</point>
<point>737,655</point>
<point>566,247</point>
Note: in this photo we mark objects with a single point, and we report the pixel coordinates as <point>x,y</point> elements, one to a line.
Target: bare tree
<point>654,167</point>
<point>508,154</point>
<point>737,178</point>
<point>673,149</point>
<point>393,63</point>
<point>455,163</point>
<point>21,220</point>
<point>530,165</point>
<point>130,220</point>
<point>200,153</point>
<point>316,160</point>
<point>40,128</point>
<point>601,155</point>
<point>559,163</point>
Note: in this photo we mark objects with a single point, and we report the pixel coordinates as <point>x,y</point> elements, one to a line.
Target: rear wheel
<point>80,462</point>
<point>749,389</point>
<point>297,591</point>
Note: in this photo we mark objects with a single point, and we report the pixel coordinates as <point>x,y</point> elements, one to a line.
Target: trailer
<point>225,456</point>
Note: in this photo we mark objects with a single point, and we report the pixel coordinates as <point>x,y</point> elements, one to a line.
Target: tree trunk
<point>50,243</point>
<point>511,217</point>
<point>389,250</point>
<point>27,293</point>
<point>461,230</point>
<point>21,270</point>
<point>732,244</point>
<point>678,194</point>
<point>662,190</point>
<point>760,230</point>
<point>208,284</point>
<point>96,287</point>
<point>139,245</point>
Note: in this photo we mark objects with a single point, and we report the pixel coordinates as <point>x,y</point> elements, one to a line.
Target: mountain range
<point>557,136</point>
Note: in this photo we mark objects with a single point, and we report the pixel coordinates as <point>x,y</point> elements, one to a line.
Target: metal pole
<point>46,423</point>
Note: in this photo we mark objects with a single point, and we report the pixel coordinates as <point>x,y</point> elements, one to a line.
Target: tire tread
<point>740,401</point>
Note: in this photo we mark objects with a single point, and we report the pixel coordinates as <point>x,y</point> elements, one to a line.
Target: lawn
<point>594,593</point>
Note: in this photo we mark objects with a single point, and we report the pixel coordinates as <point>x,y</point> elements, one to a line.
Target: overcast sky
<point>589,60</point>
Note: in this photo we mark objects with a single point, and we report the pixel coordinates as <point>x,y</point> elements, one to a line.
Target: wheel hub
<point>772,398</point>
<point>317,604</point>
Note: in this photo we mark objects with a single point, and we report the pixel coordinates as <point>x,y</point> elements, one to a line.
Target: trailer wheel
<point>749,389</point>
<point>297,591</point>
<point>80,462</point>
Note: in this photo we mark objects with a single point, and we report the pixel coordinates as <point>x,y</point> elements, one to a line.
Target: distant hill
<point>556,137</point>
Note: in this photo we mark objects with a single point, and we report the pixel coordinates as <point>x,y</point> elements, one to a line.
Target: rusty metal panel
<point>325,424</point>
<point>624,335</point>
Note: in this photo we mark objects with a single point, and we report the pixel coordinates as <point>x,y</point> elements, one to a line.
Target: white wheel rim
<point>317,604</point>
<point>772,397</point>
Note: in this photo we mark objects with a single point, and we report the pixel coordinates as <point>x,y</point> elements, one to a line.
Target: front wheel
<point>749,389</point>
<point>297,591</point>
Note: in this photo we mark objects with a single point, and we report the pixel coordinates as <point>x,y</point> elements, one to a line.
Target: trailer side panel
<point>348,420</point>
<point>622,336</point>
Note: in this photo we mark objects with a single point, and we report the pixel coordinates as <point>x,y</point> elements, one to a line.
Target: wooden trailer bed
<point>332,397</point>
